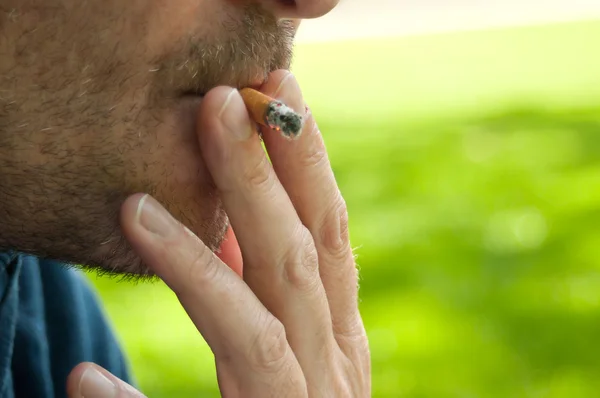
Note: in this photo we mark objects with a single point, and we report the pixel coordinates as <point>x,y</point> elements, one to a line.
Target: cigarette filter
<point>272,113</point>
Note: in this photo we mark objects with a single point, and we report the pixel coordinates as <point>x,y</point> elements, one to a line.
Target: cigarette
<point>272,113</point>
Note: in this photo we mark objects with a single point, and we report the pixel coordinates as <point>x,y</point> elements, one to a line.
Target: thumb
<point>88,380</point>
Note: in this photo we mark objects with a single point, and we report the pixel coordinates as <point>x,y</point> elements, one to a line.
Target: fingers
<point>88,380</point>
<point>280,261</point>
<point>242,334</point>
<point>305,172</point>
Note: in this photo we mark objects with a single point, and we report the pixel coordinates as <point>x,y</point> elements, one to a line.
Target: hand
<point>291,327</point>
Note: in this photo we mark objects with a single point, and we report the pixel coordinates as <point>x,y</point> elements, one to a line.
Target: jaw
<point>165,161</point>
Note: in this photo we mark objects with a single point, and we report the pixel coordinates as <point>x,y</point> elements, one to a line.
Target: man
<point>118,118</point>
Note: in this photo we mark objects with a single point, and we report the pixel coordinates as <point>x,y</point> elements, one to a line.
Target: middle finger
<point>305,172</point>
<point>280,260</point>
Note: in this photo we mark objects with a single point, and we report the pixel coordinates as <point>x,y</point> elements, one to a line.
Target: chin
<point>173,172</point>
<point>118,259</point>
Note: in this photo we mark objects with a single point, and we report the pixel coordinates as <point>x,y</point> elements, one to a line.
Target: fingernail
<point>235,117</point>
<point>155,218</point>
<point>94,384</point>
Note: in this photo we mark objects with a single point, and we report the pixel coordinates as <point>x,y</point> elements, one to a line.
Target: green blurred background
<point>470,163</point>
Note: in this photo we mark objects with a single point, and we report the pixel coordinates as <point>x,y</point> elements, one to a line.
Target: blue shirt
<point>50,321</point>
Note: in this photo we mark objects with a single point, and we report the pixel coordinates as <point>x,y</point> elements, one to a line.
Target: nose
<point>301,9</point>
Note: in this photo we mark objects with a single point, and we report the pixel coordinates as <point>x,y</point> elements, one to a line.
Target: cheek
<point>177,154</point>
<point>188,167</point>
<point>171,21</point>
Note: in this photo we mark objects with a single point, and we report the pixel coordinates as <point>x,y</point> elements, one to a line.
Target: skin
<point>105,163</point>
<point>92,110</point>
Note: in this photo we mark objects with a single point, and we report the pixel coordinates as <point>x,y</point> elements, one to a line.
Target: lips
<point>239,84</point>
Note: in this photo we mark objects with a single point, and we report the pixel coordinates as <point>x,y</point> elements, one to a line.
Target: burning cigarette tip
<point>283,118</point>
<point>272,113</point>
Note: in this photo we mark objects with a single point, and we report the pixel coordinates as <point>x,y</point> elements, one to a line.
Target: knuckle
<point>354,343</point>
<point>315,155</point>
<point>301,263</point>
<point>258,175</point>
<point>355,372</point>
<point>269,351</point>
<point>187,262</point>
<point>203,268</point>
<point>333,232</point>
<point>349,327</point>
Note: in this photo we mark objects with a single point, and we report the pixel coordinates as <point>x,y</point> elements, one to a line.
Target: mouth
<point>200,94</point>
<point>190,94</point>
<point>239,84</point>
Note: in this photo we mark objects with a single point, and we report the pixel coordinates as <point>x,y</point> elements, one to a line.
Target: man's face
<point>98,101</point>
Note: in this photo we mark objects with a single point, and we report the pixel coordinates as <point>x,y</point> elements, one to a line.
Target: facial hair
<point>81,131</point>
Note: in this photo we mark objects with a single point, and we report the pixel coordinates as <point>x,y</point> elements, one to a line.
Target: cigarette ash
<point>281,117</point>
